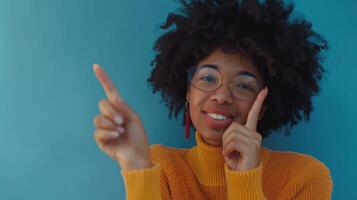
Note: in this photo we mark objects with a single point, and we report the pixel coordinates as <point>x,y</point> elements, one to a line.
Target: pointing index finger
<point>109,88</point>
<point>253,115</point>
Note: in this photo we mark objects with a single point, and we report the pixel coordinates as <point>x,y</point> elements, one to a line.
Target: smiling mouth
<point>217,121</point>
<point>217,116</point>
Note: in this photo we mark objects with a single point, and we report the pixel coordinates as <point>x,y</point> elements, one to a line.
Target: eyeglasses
<point>208,79</point>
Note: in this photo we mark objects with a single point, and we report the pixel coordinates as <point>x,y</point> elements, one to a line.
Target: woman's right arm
<point>121,135</point>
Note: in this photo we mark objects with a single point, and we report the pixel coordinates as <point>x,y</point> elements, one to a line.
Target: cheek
<point>197,100</point>
<point>243,110</point>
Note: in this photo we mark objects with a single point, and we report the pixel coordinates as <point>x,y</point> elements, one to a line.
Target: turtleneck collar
<point>208,163</point>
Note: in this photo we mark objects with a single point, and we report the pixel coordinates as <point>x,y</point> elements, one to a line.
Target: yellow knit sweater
<point>200,173</point>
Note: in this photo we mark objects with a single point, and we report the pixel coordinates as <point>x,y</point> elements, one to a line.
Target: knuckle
<point>102,106</point>
<point>258,136</point>
<point>235,137</point>
<point>257,142</point>
<point>99,136</point>
<point>95,134</point>
<point>102,102</point>
<point>96,120</point>
<point>232,140</point>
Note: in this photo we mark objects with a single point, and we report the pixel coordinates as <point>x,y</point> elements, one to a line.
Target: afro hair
<point>285,50</point>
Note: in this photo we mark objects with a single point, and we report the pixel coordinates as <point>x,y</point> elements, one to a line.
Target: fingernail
<point>118,119</point>
<point>95,66</point>
<point>264,90</point>
<point>120,129</point>
<point>113,134</point>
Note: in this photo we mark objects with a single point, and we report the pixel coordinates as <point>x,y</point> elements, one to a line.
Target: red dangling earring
<point>187,122</point>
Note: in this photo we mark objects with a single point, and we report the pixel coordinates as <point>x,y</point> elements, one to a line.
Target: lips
<point>216,123</point>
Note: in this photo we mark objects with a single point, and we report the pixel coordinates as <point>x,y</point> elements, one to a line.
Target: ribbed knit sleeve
<point>319,189</point>
<point>244,185</point>
<point>143,184</point>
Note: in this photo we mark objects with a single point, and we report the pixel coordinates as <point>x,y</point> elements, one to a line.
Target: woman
<point>240,70</point>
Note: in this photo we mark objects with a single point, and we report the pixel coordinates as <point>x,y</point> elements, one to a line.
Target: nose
<point>222,94</point>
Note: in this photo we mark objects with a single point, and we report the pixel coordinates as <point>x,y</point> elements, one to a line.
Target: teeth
<point>217,116</point>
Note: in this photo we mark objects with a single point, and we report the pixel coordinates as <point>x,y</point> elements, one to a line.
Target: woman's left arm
<point>241,151</point>
<point>318,189</point>
<point>311,180</point>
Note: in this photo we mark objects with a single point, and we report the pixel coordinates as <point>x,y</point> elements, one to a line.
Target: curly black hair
<point>284,48</point>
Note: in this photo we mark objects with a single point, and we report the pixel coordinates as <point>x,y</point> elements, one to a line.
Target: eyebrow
<point>239,73</point>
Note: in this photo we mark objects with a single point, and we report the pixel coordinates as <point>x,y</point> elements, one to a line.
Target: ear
<point>261,113</point>
<point>188,94</point>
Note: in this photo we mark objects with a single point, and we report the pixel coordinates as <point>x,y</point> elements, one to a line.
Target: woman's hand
<point>119,130</point>
<point>242,143</point>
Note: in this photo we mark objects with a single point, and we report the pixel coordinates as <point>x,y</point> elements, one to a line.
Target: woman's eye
<point>245,87</point>
<point>208,78</point>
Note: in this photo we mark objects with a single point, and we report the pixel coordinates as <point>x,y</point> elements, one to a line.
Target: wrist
<point>136,164</point>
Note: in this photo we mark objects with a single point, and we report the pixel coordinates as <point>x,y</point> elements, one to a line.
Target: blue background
<point>49,94</point>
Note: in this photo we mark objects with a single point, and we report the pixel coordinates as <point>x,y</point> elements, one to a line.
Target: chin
<point>212,137</point>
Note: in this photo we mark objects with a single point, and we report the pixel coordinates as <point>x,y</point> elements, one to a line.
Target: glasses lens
<point>206,79</point>
<point>244,87</point>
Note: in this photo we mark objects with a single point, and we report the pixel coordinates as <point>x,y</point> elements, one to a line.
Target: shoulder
<point>302,167</point>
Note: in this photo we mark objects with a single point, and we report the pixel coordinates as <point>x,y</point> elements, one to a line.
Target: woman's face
<point>204,106</point>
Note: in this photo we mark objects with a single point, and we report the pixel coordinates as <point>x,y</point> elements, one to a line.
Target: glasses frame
<point>191,71</point>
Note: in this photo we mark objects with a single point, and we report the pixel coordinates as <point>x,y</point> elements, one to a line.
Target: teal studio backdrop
<point>49,94</point>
